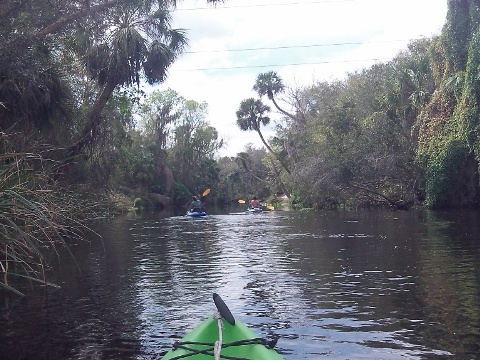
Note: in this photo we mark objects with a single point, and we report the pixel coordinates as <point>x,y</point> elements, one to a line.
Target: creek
<point>337,285</point>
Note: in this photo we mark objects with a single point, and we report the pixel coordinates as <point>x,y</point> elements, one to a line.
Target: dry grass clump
<point>36,217</point>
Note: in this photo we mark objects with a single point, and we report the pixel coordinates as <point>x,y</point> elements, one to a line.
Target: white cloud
<point>361,30</point>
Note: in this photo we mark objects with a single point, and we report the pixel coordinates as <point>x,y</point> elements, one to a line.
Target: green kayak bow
<point>222,337</point>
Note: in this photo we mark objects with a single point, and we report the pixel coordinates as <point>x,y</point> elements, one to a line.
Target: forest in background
<point>75,128</point>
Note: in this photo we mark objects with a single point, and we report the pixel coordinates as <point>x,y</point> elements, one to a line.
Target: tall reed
<point>36,217</point>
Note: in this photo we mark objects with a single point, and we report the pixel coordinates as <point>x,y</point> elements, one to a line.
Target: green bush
<point>443,174</point>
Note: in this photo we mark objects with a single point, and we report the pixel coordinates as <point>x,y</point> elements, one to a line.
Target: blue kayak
<point>196,213</point>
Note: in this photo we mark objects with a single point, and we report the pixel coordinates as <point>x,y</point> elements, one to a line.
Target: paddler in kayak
<point>196,205</point>
<point>254,203</point>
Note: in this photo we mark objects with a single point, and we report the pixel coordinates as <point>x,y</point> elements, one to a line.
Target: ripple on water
<point>334,285</point>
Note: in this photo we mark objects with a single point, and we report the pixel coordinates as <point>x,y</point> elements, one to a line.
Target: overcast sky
<point>304,41</point>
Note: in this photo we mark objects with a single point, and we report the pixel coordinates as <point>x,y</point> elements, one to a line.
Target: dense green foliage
<point>70,75</point>
<point>448,144</point>
<point>395,134</point>
<point>399,134</point>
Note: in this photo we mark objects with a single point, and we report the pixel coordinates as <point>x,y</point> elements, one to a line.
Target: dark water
<point>367,285</point>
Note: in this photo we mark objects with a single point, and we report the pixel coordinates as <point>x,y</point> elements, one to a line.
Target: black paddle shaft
<point>223,309</point>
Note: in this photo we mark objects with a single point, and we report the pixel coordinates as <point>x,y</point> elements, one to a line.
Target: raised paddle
<point>205,193</point>
<point>223,309</point>
<point>241,201</point>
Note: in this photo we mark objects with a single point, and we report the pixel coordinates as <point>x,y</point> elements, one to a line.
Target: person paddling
<point>254,203</point>
<point>196,205</point>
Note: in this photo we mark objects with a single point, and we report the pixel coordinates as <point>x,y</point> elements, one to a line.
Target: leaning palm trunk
<point>297,120</point>
<point>272,152</point>
<point>68,19</point>
<point>277,175</point>
<point>93,122</point>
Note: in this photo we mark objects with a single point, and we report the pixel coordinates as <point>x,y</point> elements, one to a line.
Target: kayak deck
<point>238,342</point>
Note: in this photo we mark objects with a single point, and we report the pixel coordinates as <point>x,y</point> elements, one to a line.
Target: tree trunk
<point>281,110</point>
<point>294,118</point>
<point>271,151</point>
<point>397,204</point>
<point>93,121</point>
<point>277,175</point>
<point>66,20</point>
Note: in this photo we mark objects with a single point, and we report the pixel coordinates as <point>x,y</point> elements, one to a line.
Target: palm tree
<point>271,84</point>
<point>250,116</point>
<point>139,44</point>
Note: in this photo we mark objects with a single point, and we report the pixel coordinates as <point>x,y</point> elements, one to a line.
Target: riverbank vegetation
<point>77,124</point>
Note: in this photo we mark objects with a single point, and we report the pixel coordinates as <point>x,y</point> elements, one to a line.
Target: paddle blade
<point>270,207</point>
<point>206,192</point>
<point>241,201</point>
<point>223,309</point>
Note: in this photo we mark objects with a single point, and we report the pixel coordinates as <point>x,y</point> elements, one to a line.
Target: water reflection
<point>372,285</point>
